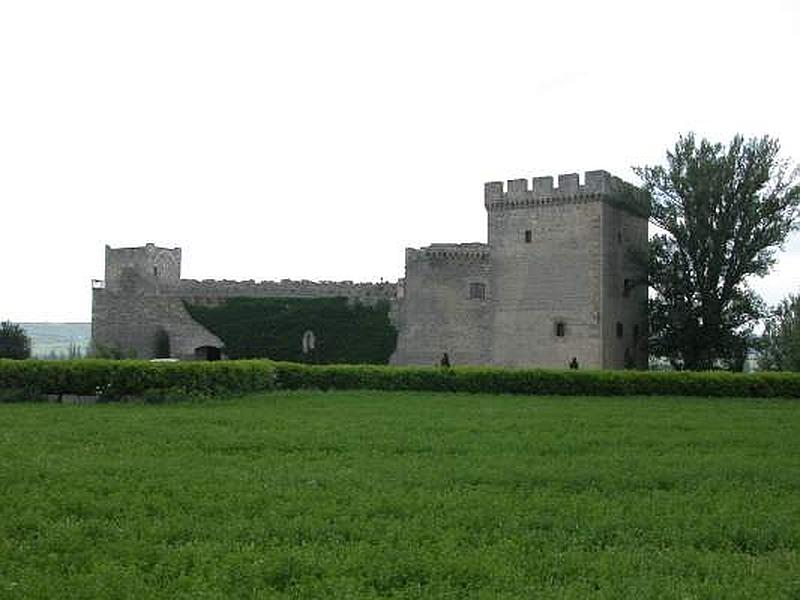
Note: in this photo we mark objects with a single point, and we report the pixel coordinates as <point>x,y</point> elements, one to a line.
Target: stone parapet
<point>209,288</point>
<point>540,191</point>
<point>457,252</point>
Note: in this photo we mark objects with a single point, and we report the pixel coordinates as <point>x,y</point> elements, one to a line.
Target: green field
<point>367,494</point>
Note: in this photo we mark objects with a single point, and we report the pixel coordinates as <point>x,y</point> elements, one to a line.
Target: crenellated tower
<point>561,276</point>
<point>559,279</point>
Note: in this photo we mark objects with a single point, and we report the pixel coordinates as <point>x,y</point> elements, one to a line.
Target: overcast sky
<point>317,140</point>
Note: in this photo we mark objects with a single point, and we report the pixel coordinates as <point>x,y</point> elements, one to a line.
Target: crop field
<point>402,495</point>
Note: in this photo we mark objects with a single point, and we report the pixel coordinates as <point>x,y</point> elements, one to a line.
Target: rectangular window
<point>627,284</point>
<point>477,291</point>
<point>619,329</point>
<point>528,236</point>
<point>561,329</point>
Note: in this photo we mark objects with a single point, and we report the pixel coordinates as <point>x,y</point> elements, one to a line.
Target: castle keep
<point>558,278</point>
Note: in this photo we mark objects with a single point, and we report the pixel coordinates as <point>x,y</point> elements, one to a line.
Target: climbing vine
<point>343,331</point>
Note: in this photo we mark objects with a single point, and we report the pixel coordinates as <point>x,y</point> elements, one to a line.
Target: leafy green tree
<point>14,342</point>
<point>74,351</point>
<point>780,349</point>
<point>721,212</point>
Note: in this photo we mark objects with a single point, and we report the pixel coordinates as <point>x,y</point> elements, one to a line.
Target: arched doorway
<point>207,353</point>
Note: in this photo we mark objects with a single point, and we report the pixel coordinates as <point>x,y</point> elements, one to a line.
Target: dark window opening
<point>477,291</point>
<point>561,329</point>
<point>619,237</point>
<point>155,271</point>
<point>629,362</point>
<point>627,285</point>
<point>207,353</point>
<point>528,236</point>
<point>619,329</point>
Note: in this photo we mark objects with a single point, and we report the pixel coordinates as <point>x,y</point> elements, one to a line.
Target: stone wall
<point>556,264</point>
<point>143,292</point>
<point>557,279</point>
<point>442,308</point>
<point>145,269</point>
<point>624,291</point>
<point>368,293</point>
<point>546,268</point>
<point>129,323</point>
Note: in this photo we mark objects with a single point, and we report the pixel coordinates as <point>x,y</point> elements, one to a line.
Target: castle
<point>560,277</point>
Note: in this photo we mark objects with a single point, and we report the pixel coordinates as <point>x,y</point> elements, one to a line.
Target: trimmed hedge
<point>114,379</point>
<point>540,381</point>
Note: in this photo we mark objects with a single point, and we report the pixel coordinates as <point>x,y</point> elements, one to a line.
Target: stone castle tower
<point>140,296</point>
<point>558,278</point>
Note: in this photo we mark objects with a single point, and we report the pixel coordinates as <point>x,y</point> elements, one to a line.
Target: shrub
<point>116,379</point>
<point>158,382</point>
<point>781,340</point>
<point>14,342</point>
<point>538,381</point>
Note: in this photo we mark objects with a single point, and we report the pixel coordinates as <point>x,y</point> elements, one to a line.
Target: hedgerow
<point>114,379</point>
<point>539,381</point>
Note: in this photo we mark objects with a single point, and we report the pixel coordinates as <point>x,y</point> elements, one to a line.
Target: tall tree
<point>14,342</point>
<point>721,212</point>
<point>781,341</point>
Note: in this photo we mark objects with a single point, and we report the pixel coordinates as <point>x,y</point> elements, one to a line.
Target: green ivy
<point>344,332</point>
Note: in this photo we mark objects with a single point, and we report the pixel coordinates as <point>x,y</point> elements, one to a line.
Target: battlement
<point>150,269</point>
<point>540,190</point>
<point>472,251</point>
<point>286,288</point>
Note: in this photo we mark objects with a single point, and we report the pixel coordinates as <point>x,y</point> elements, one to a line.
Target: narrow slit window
<point>627,284</point>
<point>561,329</point>
<point>528,236</point>
<point>477,291</point>
<point>155,271</point>
<point>619,329</point>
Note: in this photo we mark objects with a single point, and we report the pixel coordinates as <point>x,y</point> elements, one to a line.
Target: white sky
<point>317,140</point>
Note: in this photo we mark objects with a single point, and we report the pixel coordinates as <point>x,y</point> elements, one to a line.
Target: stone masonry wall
<point>143,292</point>
<point>624,293</point>
<point>552,279</point>
<point>549,285</point>
<point>438,314</point>
<point>129,322</point>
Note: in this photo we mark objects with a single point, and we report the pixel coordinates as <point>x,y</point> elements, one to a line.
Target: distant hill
<point>55,338</point>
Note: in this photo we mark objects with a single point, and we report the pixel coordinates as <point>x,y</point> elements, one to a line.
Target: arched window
<point>309,341</point>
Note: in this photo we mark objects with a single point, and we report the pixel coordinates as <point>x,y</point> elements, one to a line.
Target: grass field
<point>336,495</point>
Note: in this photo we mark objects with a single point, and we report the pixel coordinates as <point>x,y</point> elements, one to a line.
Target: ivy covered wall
<point>274,328</point>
